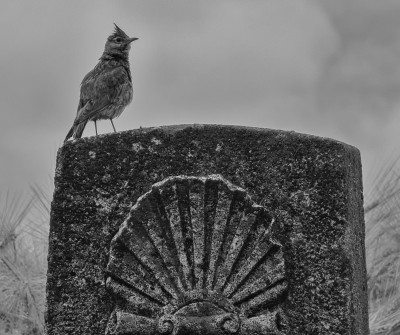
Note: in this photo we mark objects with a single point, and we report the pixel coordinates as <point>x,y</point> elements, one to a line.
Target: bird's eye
<point>118,40</point>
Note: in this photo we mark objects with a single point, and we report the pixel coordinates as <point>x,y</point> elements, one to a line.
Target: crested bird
<point>107,89</point>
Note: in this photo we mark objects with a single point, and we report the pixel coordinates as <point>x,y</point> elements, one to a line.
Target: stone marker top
<point>171,129</point>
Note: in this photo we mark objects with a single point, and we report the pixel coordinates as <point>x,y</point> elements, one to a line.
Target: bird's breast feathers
<point>108,89</point>
<point>106,79</point>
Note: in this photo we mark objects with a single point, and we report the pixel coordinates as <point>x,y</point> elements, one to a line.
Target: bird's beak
<point>130,40</point>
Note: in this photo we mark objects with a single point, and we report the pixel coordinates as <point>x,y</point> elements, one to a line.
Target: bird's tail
<point>76,131</point>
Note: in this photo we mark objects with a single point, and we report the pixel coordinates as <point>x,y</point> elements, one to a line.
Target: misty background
<point>324,67</point>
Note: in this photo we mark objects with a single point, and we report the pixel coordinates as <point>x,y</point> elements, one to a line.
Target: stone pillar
<point>205,229</point>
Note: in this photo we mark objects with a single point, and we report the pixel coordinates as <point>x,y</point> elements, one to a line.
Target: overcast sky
<point>323,67</point>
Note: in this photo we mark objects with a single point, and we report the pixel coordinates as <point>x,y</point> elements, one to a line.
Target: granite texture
<point>310,188</point>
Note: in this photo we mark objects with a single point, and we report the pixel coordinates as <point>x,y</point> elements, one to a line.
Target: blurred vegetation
<point>382,242</point>
<point>23,261</point>
<point>24,241</point>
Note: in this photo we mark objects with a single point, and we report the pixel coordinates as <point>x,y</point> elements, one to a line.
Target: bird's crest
<point>118,32</point>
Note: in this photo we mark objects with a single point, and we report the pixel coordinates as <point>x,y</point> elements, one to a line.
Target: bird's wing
<point>101,90</point>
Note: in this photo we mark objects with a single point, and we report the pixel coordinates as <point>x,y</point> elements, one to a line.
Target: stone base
<point>310,188</point>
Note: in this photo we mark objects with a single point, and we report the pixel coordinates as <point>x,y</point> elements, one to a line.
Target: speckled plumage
<point>107,89</point>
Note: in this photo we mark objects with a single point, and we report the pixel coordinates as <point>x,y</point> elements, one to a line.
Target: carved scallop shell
<point>196,252</point>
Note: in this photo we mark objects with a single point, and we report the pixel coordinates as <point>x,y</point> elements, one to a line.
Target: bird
<point>107,89</point>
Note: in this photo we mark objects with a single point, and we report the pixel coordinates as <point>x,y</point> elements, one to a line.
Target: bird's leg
<point>113,125</point>
<point>95,126</point>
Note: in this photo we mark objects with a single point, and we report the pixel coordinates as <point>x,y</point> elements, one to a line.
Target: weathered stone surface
<point>125,256</point>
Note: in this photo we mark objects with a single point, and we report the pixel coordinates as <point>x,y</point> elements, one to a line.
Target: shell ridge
<point>261,283</point>
<point>122,228</point>
<point>242,278</point>
<point>197,220</point>
<point>175,219</point>
<point>137,302</point>
<point>127,284</point>
<point>272,295</point>
<point>260,250</point>
<point>159,293</point>
<point>168,251</point>
<point>221,222</point>
<point>142,272</point>
<point>241,235</point>
<point>232,188</point>
<point>155,263</point>
<point>185,225</point>
<point>211,194</point>
<point>277,285</point>
<point>231,225</point>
